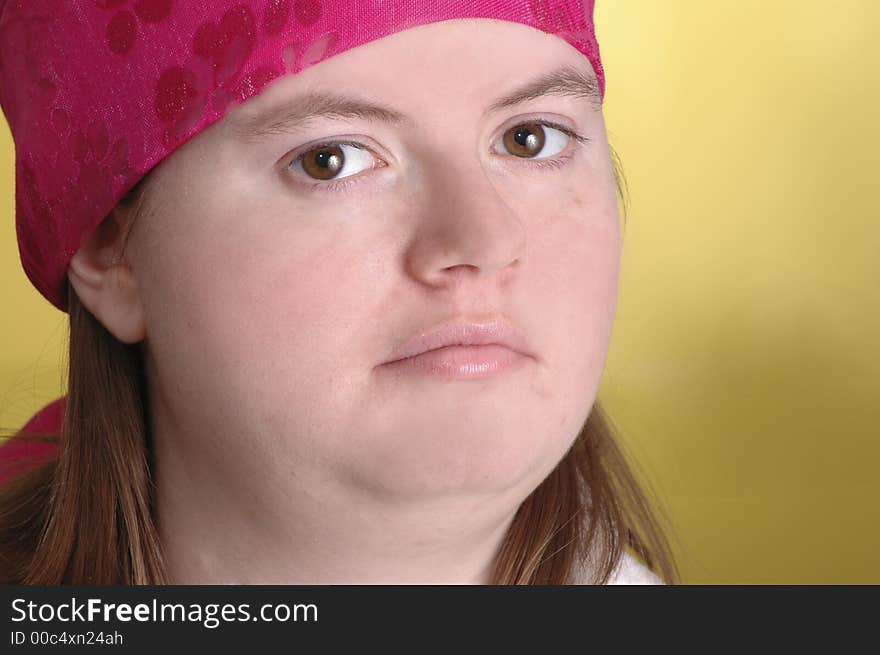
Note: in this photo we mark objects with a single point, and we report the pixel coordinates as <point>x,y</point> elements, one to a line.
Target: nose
<point>465,226</point>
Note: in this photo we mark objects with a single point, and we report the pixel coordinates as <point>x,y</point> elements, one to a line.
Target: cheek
<point>231,310</point>
<point>577,261</point>
<point>264,340</point>
<point>280,299</point>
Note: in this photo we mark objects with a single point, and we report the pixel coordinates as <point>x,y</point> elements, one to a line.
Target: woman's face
<point>272,297</point>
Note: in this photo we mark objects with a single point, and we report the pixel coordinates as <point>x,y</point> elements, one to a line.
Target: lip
<point>461,361</point>
<point>464,348</point>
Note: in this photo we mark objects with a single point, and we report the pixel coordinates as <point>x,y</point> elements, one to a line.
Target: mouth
<point>461,361</point>
<point>463,349</point>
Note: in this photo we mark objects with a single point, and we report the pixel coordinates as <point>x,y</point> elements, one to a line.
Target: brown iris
<point>324,163</point>
<point>527,139</point>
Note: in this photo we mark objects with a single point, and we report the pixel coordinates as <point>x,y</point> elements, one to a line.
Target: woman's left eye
<point>527,139</point>
<point>331,161</point>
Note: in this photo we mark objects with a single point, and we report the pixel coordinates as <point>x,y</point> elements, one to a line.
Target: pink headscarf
<point>97,92</point>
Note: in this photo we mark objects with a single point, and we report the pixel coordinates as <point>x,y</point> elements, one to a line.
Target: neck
<point>252,524</point>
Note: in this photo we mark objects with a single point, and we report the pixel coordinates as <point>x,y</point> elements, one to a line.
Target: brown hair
<point>87,517</point>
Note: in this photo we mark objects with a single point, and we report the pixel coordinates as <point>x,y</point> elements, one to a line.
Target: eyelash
<point>541,164</point>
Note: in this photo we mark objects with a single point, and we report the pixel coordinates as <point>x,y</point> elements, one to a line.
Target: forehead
<point>289,113</point>
<point>496,64</point>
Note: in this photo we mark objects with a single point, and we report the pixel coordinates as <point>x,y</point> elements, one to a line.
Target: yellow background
<point>744,371</point>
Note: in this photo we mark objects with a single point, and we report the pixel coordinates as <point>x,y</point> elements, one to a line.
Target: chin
<point>497,455</point>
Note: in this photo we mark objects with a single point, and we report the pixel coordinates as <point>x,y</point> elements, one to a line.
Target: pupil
<point>526,138</point>
<point>324,158</point>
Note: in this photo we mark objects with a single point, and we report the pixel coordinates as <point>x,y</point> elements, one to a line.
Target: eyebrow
<point>564,81</point>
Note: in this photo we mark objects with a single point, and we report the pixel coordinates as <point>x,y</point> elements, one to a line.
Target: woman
<point>351,326</point>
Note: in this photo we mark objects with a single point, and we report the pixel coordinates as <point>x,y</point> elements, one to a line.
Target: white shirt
<point>631,571</point>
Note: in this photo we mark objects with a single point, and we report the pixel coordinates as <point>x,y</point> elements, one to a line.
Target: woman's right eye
<point>325,162</point>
